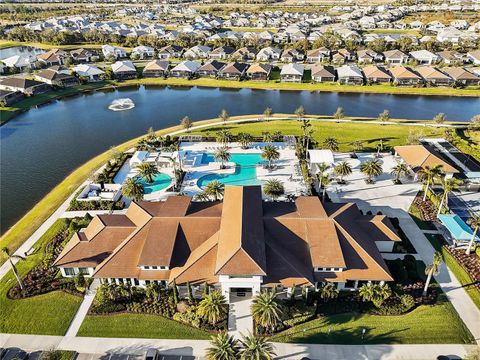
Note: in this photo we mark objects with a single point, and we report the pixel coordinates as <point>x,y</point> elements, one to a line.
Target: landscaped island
<point>294,181</point>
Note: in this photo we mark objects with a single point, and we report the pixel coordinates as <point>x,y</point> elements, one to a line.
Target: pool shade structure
<point>459,230</point>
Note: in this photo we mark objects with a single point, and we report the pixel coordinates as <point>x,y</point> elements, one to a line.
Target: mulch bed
<point>470,263</point>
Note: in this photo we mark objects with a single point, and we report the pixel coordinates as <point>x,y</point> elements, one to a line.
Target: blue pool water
<point>245,170</point>
<point>160,182</point>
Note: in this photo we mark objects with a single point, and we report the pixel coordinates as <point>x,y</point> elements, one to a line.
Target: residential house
<point>178,241</point>
<point>350,75</point>
<point>402,75</point>
<point>376,74</point>
<point>433,77</point>
<point>424,57</point>
<point>292,55</point>
<point>269,53</point>
<point>91,72</point>
<point>156,68</point>
<point>450,57</point>
<point>19,62</point>
<point>8,97</point>
<point>473,56</point>
<point>318,55</point>
<point>233,71</point>
<point>113,52</point>
<point>186,69</point>
<point>25,86</point>
<point>368,56</point>
<point>197,52</point>
<point>462,76</point>
<point>124,70</point>
<point>259,71</point>
<point>170,51</point>
<point>57,77</point>
<point>244,54</point>
<point>322,73</point>
<point>53,57</point>
<point>210,68</point>
<point>292,72</point>
<point>221,53</point>
<point>83,56</point>
<point>395,57</point>
<point>143,52</point>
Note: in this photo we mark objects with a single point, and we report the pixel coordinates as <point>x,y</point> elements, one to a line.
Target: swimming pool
<point>245,170</point>
<point>160,182</point>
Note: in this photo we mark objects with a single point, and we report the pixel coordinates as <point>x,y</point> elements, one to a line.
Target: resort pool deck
<point>160,181</point>
<point>244,168</point>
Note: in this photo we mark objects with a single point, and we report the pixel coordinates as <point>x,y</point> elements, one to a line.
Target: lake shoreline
<point>9,113</point>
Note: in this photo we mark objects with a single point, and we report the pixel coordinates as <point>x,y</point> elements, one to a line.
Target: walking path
<point>240,320</point>
<point>102,346</point>
<point>83,309</point>
<point>74,214</point>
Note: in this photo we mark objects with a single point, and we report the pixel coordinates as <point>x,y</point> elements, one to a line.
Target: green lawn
<point>438,324</point>
<point>345,133</point>
<point>459,272</point>
<point>48,314</point>
<point>138,326</point>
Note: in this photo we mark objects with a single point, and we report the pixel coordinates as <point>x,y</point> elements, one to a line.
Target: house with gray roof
<point>350,75</point>
<point>186,69</point>
<point>292,72</point>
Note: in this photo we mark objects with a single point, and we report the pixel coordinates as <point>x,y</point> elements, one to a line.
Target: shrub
<point>407,301</point>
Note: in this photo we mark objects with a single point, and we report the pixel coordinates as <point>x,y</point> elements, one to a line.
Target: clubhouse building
<point>239,244</point>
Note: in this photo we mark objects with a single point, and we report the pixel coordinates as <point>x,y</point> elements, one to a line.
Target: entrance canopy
<point>457,227</point>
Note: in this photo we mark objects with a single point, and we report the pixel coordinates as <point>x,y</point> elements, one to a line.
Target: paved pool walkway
<point>240,320</point>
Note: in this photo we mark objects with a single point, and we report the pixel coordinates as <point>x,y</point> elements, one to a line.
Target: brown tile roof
<point>419,156</point>
<point>458,73</point>
<point>374,71</point>
<point>259,68</point>
<point>402,72</point>
<point>430,72</point>
<point>156,65</point>
<point>283,242</point>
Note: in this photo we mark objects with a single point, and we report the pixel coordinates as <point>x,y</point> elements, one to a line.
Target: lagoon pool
<point>160,181</point>
<point>245,170</point>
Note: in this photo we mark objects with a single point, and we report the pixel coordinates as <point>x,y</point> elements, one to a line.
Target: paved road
<point>101,346</point>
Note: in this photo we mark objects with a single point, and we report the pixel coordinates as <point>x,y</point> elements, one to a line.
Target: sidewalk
<point>83,309</point>
<point>240,320</point>
<point>101,346</point>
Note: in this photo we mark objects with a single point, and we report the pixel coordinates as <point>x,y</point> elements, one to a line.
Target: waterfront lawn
<point>345,133</point>
<point>460,273</point>
<point>427,324</point>
<point>48,314</point>
<point>138,326</point>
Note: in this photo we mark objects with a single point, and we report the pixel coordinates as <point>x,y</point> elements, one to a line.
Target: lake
<point>40,147</point>
<point>20,50</point>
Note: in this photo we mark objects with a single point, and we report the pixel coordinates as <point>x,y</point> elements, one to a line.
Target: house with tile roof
<point>434,77</point>
<point>259,71</point>
<point>241,242</point>
<point>402,75</point>
<point>462,76</point>
<point>419,156</point>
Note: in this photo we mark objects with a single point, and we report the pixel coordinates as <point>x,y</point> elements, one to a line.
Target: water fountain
<point>122,104</point>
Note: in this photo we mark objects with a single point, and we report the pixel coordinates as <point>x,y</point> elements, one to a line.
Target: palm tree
<point>224,116</point>
<point>449,185</point>
<point>399,170</point>
<point>322,168</point>
<point>186,123</point>
<point>267,136</point>
<point>432,269</point>
<point>269,153</point>
<point>300,112</point>
<point>101,178</point>
<point>222,347</point>
<point>307,131</point>
<point>342,169</point>
<point>147,170</point>
<point>224,136</point>
<point>331,143</point>
<point>266,310</point>
<point>213,307</point>
<point>384,116</point>
<point>222,154</point>
<point>428,175</point>
<point>371,168</point>
<point>133,189</point>
<point>245,140</point>
<point>474,222</point>
<point>273,188</point>
<point>267,113</point>
<point>338,114</point>
<point>328,291</point>
<point>215,189</point>
<point>10,256</point>
<point>439,118</point>
<point>375,293</point>
<point>324,180</point>
<point>257,348</point>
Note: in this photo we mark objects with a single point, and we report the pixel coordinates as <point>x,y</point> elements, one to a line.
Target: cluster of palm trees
<point>225,347</point>
<point>133,187</point>
<point>375,293</point>
<point>214,190</point>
